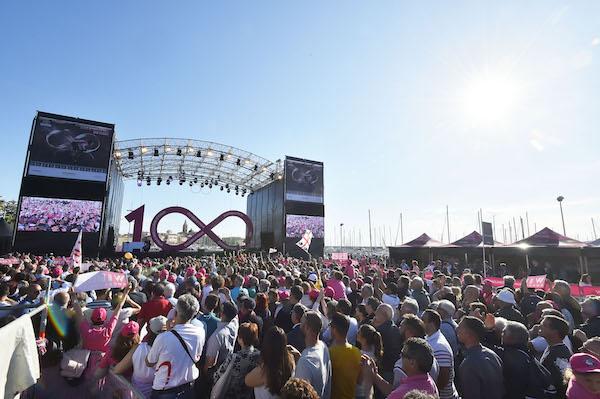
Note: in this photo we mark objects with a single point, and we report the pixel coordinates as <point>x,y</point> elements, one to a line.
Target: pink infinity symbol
<point>205,229</point>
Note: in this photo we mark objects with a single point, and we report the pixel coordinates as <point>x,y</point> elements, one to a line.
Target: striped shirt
<point>445,358</point>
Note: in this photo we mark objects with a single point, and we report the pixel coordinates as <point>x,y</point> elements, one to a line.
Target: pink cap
<point>359,282</point>
<point>283,295</point>
<point>172,278</point>
<point>585,363</point>
<point>190,271</point>
<point>199,276</point>
<point>164,273</point>
<point>57,271</point>
<point>281,280</point>
<point>202,270</point>
<point>313,295</point>
<point>329,292</point>
<point>130,329</point>
<point>98,315</point>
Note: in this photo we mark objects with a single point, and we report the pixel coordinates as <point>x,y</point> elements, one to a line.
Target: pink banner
<point>9,261</point>
<point>536,282</point>
<point>99,280</point>
<point>339,256</point>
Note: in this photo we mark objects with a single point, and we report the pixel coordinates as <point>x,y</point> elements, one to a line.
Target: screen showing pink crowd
<point>59,215</point>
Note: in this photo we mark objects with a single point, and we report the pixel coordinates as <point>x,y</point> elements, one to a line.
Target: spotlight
<point>158,181</point>
<point>227,185</point>
<point>238,162</point>
<point>156,152</point>
<point>210,185</point>
<point>181,182</point>
<point>148,180</point>
<point>222,157</point>
<point>191,183</point>
<point>209,153</point>
<point>167,149</point>
<point>195,180</point>
<point>130,154</point>
<point>168,182</point>
<point>198,154</point>
<point>279,177</point>
<point>139,182</point>
<point>140,173</point>
<point>201,185</point>
<point>237,193</point>
<point>228,190</point>
<point>144,150</point>
<point>117,154</point>
<point>255,168</point>
<point>206,182</point>
<point>221,188</point>
<point>237,188</point>
<point>179,151</point>
<point>243,194</point>
<point>272,175</point>
<point>216,182</point>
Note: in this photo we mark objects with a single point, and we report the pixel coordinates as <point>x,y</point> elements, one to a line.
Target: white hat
<point>312,277</point>
<point>506,296</point>
<point>158,324</point>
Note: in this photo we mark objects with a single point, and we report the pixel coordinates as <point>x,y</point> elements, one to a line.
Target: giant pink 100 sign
<point>137,217</point>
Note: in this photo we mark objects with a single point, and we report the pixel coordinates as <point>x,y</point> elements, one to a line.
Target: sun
<point>489,99</point>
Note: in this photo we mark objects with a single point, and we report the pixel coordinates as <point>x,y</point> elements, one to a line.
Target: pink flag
<point>76,252</point>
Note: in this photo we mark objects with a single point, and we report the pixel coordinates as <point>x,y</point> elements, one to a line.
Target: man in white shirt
<point>442,352</point>
<point>314,365</point>
<point>175,364</point>
<point>222,342</point>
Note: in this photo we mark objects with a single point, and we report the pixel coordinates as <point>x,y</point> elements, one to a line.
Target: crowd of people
<point>247,327</point>
<point>59,215</point>
<point>296,225</point>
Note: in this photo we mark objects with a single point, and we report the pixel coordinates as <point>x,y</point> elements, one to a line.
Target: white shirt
<point>222,342</point>
<point>143,376</point>
<point>173,365</point>
<point>352,331</point>
<point>445,358</point>
<point>206,290</point>
<point>315,367</point>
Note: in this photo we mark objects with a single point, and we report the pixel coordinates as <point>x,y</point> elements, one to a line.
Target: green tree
<point>8,210</point>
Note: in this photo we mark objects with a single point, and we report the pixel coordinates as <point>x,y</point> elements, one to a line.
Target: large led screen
<point>70,149</point>
<point>303,181</point>
<point>296,225</point>
<point>59,215</point>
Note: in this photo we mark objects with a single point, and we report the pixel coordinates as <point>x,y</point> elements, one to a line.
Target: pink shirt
<point>577,391</point>
<point>339,289</point>
<point>350,272</point>
<point>420,382</point>
<point>97,338</point>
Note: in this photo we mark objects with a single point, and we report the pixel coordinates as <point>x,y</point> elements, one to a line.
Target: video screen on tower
<point>69,148</point>
<point>303,180</point>
<point>296,225</point>
<point>59,215</point>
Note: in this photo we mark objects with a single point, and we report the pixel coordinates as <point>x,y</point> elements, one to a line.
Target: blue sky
<point>412,106</point>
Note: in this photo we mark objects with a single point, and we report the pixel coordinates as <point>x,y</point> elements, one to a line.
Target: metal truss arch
<point>191,161</point>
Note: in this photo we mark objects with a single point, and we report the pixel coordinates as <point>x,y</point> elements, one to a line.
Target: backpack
<point>540,380</point>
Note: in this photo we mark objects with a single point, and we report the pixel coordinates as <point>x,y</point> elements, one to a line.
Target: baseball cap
<point>158,324</point>
<point>585,363</point>
<point>312,277</point>
<point>172,278</point>
<point>98,315</point>
<point>506,296</point>
<point>130,329</point>
<point>329,292</point>
<point>190,271</point>
<point>313,294</point>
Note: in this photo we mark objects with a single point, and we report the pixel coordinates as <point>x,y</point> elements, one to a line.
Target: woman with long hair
<point>371,345</point>
<point>275,368</point>
<point>135,359</point>
<point>239,365</point>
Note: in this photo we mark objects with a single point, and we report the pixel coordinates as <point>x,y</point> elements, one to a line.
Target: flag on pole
<point>76,252</point>
<point>305,241</point>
